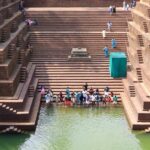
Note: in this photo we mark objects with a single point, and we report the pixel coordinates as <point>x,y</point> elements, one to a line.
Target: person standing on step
<point>109,25</point>
<point>113,43</point>
<point>85,86</point>
<point>110,9</point>
<point>134,3</point>
<point>106,51</point>
<point>81,98</point>
<point>21,5</point>
<point>104,34</point>
<point>68,95</point>
<point>73,98</point>
<point>49,96</point>
<point>106,89</point>
<point>61,97</point>
<point>114,9</point>
<point>127,7</point>
<point>124,5</point>
<point>91,91</point>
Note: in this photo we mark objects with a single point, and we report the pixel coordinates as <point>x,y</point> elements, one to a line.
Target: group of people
<point>112,9</point>
<point>84,97</point>
<point>109,26</point>
<point>48,96</point>
<point>126,5</point>
<point>106,49</point>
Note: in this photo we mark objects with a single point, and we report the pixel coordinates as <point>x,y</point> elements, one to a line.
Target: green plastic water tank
<point>118,64</point>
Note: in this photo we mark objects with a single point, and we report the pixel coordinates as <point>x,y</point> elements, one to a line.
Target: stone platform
<point>79,54</point>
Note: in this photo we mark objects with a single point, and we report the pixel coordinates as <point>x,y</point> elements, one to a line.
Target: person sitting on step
<point>106,91</point>
<point>115,99</point>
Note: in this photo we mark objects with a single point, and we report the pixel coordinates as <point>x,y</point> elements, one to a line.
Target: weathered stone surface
<point>8,88</point>
<point>73,3</point>
<point>79,53</point>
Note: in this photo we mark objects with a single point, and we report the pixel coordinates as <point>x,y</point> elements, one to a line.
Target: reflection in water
<point>12,141</point>
<point>61,128</point>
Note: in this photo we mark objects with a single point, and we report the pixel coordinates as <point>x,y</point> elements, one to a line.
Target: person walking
<point>106,51</point>
<point>113,43</point>
<point>104,34</point>
<point>109,25</point>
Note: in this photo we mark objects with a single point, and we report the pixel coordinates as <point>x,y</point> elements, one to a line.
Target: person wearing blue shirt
<point>113,43</point>
<point>68,95</point>
<point>106,51</point>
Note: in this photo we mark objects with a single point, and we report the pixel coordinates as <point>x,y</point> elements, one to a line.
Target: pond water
<point>62,128</point>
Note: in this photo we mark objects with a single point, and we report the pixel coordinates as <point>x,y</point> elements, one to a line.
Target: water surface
<point>61,128</point>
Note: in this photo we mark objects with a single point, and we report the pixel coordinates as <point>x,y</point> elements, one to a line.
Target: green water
<point>62,128</point>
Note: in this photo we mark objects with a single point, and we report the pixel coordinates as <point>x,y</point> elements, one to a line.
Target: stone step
<point>29,124</point>
<point>80,80</point>
<point>57,86</point>
<point>101,90</point>
<point>131,116</point>
<point>64,83</point>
